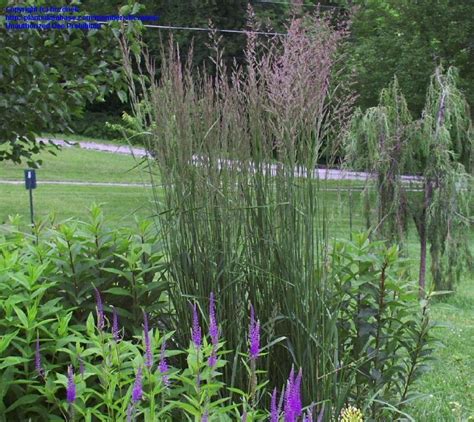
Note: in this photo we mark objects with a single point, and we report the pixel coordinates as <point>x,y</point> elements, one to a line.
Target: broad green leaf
<point>6,339</point>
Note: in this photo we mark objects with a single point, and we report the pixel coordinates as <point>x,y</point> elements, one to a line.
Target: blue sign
<point>30,179</point>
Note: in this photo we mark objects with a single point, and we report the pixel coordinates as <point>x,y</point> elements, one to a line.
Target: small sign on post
<point>30,179</point>
<point>30,184</point>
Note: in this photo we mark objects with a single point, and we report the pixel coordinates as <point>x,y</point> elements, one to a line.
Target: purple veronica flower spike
<point>293,406</point>
<point>99,310</point>
<point>213,328</point>
<point>196,332</point>
<point>163,365</point>
<point>212,361</point>
<point>274,407</point>
<point>288,394</point>
<point>205,417</point>
<point>297,402</point>
<point>148,354</point>
<point>137,391</point>
<point>71,386</point>
<point>115,326</point>
<point>213,331</point>
<point>39,368</point>
<point>254,335</point>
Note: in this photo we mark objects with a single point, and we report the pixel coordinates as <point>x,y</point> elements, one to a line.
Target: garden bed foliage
<point>116,349</point>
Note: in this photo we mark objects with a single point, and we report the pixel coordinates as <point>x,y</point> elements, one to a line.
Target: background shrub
<point>98,125</point>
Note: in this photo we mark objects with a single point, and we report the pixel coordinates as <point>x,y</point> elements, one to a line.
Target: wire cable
<point>322,6</point>
<point>229,31</point>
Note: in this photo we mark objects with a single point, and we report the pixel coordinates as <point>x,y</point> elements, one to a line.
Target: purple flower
<point>148,354</point>
<point>213,331</point>
<point>274,407</point>
<point>288,392</point>
<point>205,417</point>
<point>163,365</point>
<point>297,402</point>
<point>39,368</point>
<point>244,416</point>
<point>196,331</point>
<point>293,405</point>
<point>71,386</point>
<point>115,326</point>
<point>137,391</point>
<point>308,417</point>
<point>254,335</point>
<point>213,328</point>
<point>99,310</point>
<point>213,358</point>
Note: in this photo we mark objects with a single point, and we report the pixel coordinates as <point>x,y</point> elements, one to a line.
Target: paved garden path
<point>113,148</point>
<point>331,174</point>
<point>321,173</point>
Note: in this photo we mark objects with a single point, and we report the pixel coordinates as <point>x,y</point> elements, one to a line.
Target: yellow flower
<point>351,414</point>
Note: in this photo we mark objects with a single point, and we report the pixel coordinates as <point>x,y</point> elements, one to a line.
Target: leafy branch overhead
<point>47,77</point>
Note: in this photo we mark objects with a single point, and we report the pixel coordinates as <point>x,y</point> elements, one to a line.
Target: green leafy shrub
<point>382,327</point>
<point>27,314</point>
<point>53,369</point>
<point>125,264</point>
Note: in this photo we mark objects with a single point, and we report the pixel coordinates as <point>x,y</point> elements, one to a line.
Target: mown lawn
<point>73,163</point>
<point>448,388</point>
<point>449,385</point>
<point>120,204</point>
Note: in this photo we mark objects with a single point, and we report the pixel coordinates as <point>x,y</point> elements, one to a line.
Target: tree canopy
<point>46,78</point>
<point>410,39</point>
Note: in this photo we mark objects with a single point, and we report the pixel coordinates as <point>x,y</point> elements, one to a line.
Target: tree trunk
<point>423,241</point>
<point>422,232</point>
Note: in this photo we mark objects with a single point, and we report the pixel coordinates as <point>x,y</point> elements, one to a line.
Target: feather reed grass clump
<point>239,215</point>
<point>239,220</point>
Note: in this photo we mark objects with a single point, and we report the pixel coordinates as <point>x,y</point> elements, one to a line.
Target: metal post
<point>31,208</point>
<point>30,184</point>
<point>350,213</point>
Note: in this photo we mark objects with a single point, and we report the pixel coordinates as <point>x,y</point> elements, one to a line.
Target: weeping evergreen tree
<point>447,143</point>
<point>435,151</point>
<point>380,144</point>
